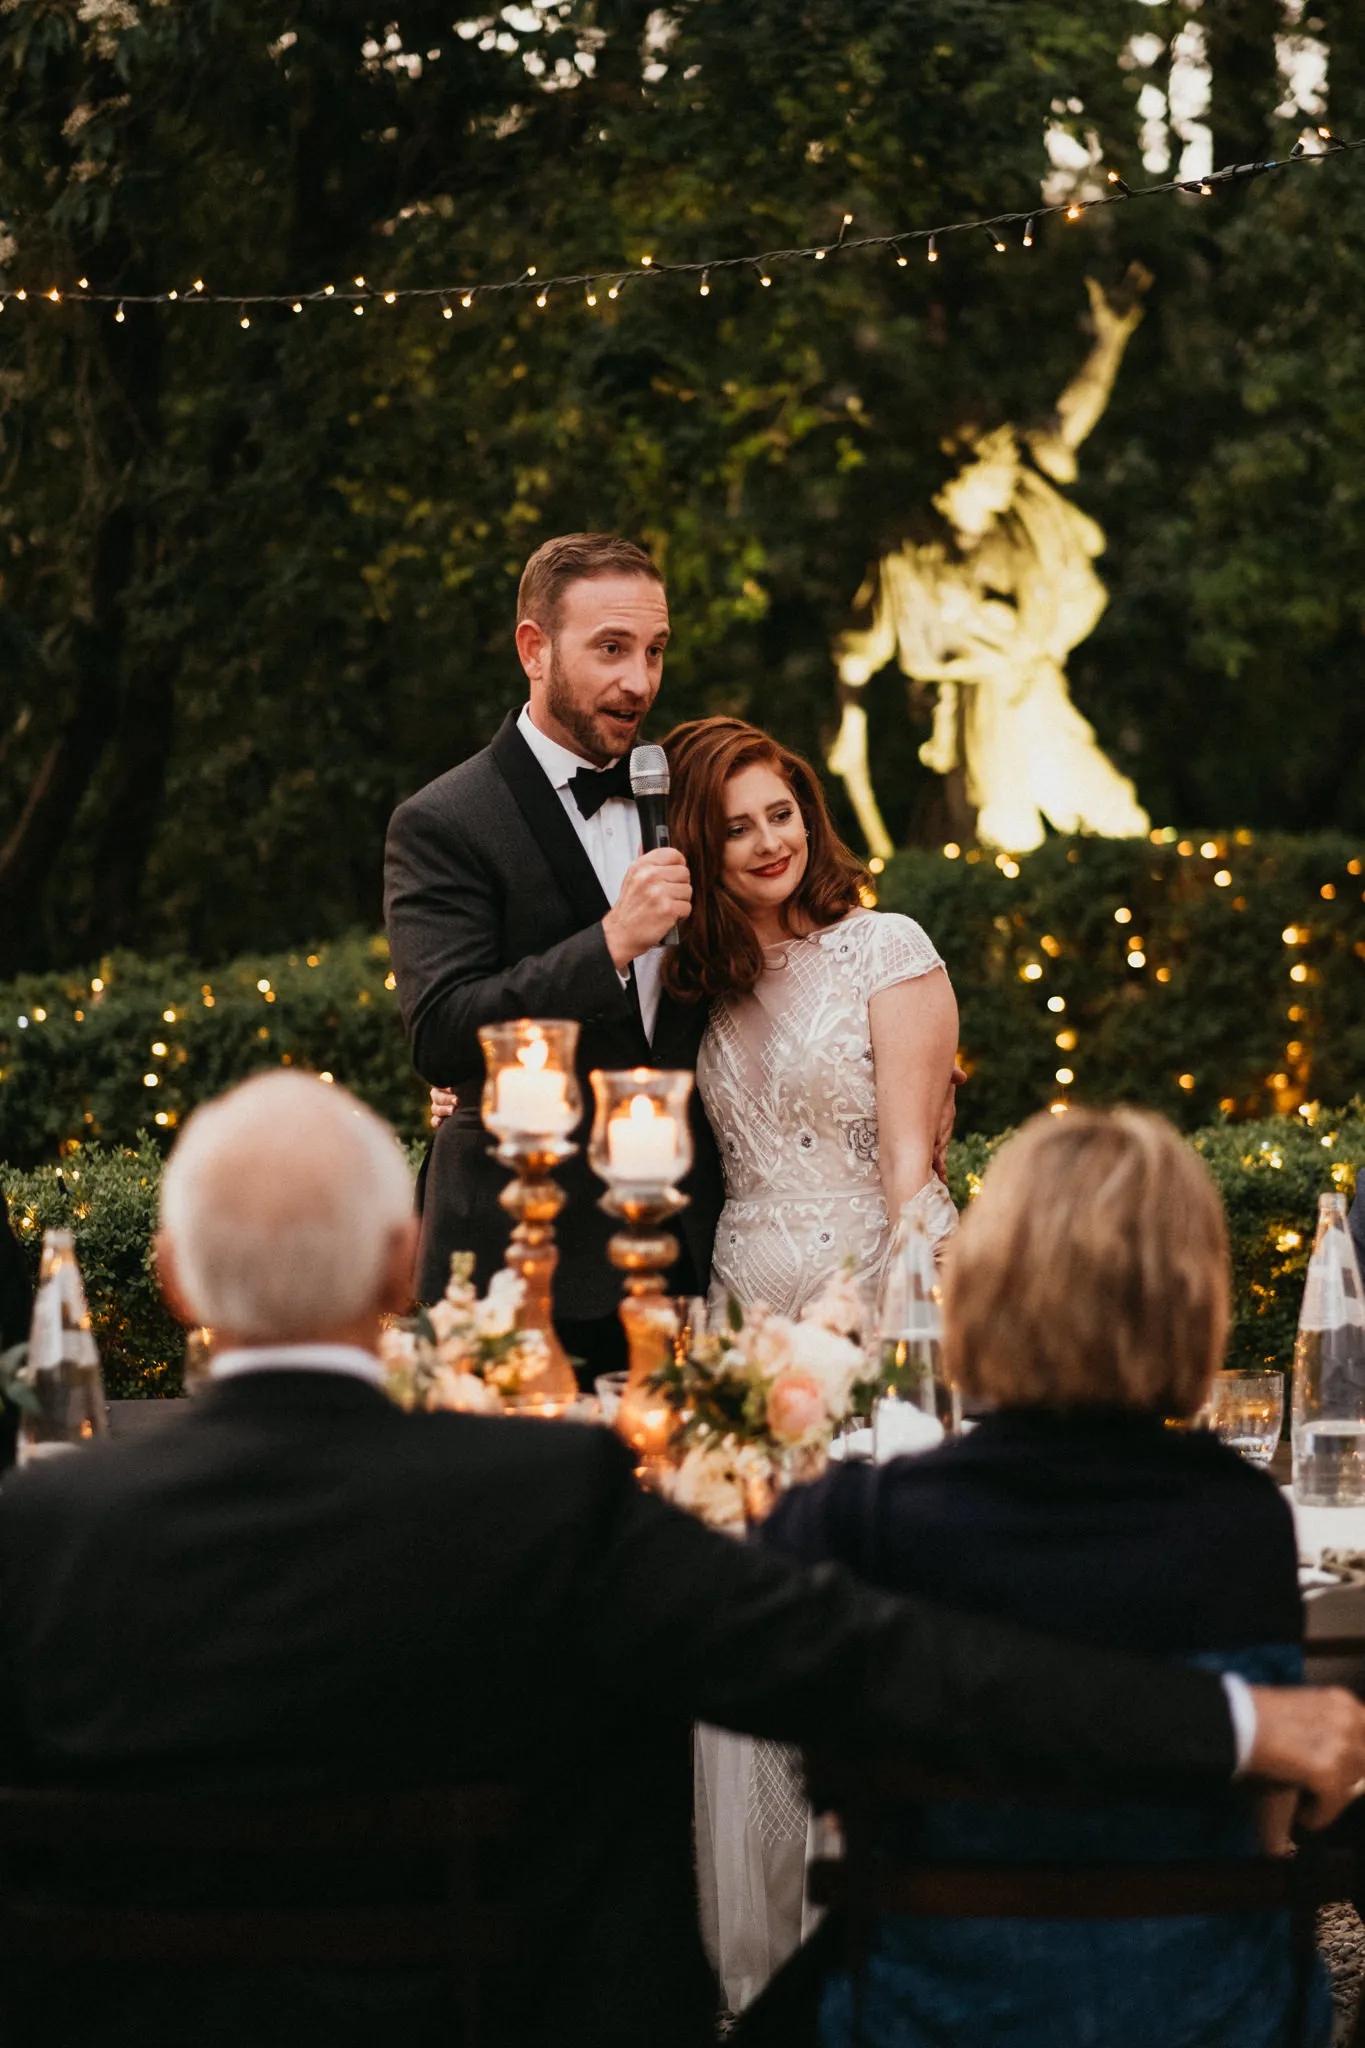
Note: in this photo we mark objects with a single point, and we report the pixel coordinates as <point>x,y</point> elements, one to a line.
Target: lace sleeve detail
<point>897,949</point>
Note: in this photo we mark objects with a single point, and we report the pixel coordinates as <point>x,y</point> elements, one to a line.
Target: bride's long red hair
<point>718,954</point>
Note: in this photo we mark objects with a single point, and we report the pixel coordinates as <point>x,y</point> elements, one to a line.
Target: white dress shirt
<point>611,840</point>
<point>346,1358</point>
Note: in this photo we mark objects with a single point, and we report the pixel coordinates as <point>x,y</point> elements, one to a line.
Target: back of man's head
<point>281,1206</point>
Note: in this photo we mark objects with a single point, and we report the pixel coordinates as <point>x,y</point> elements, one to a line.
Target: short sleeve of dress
<point>896,949</point>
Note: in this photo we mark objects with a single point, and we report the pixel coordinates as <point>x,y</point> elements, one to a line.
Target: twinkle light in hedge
<point>1009,869</point>
<point>1222,879</point>
<point>40,1016</point>
<point>1056,1004</point>
<point>1353,867</point>
<point>359,312</point>
<point>314,960</point>
<point>151,1080</point>
<point>951,850</point>
<point>360,284</point>
<point>1288,1241</point>
<point>1184,848</point>
<point>1298,972</point>
<point>1209,849</point>
<point>1065,1041</point>
<point>162,1117</point>
<point>1059,1108</point>
<point>264,987</point>
<point>1123,915</point>
<point>1163,974</point>
<point>614,291</point>
<point>1137,958</point>
<point>876,865</point>
<point>159,1050</point>
<point>83,284</point>
<point>1051,946</point>
<point>328,291</point>
<point>1032,972</point>
<point>1328,892</point>
<point>326,1077</point>
<point>168,1016</point>
<point>1292,936</point>
<point>390,981</point>
<point>1065,1076</point>
<point>1185,1081</point>
<point>97,986</point>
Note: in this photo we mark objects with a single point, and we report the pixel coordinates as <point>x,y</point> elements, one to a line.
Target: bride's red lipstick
<point>775,868</point>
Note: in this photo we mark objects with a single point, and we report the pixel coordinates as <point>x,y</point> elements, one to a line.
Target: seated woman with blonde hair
<point>1087,1300</point>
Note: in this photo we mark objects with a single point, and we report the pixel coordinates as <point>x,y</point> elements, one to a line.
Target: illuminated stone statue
<point>992,620</point>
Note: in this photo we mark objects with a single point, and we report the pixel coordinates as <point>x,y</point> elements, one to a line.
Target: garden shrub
<point>1269,1173</point>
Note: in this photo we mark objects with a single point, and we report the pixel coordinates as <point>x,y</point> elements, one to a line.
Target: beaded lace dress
<point>787,1080</point>
<point>786,1077</point>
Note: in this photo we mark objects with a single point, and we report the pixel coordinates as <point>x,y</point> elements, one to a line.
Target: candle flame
<point>641,1109</point>
<point>534,1054</point>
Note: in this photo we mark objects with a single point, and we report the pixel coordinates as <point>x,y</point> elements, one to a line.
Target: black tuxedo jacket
<point>494,911</point>
<point>296,1580</point>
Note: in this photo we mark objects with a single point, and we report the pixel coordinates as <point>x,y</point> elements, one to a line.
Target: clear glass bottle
<point>62,1372</point>
<point>1329,1370</point>
<point>910,1325</point>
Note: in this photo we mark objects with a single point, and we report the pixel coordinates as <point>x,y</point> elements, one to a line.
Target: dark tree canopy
<point>257,583</point>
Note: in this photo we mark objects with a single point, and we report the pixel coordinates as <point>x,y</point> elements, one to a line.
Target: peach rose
<point>796,1405</point>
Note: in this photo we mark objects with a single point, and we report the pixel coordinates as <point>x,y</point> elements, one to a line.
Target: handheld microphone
<point>649,785</point>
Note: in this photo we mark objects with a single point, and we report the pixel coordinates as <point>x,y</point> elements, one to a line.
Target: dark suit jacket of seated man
<point>295,1580</point>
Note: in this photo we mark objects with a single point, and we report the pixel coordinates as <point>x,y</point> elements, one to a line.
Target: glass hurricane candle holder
<point>641,1146</point>
<point>531,1089</point>
<point>531,1101</point>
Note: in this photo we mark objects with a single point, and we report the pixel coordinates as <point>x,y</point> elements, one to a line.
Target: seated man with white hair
<point>298,1583</point>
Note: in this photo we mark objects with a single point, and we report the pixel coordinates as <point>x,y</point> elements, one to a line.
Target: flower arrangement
<point>463,1352</point>
<point>758,1402</point>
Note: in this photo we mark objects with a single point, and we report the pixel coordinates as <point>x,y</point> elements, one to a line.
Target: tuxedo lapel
<point>538,801</point>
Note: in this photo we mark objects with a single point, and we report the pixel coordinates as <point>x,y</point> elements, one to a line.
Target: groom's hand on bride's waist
<point>655,895</point>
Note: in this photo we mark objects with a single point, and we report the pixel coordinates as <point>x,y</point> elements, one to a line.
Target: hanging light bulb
<point>1028,233</point>
<point>118,316</point>
<point>467,301</point>
<point>704,288</point>
<point>931,253</point>
<point>591,298</point>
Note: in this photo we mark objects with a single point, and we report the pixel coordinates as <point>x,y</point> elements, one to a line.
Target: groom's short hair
<point>575,558</point>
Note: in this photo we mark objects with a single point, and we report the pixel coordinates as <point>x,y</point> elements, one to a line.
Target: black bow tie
<point>593,787</point>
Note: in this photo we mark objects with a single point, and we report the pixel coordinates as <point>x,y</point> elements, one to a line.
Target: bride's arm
<point>914,1048</point>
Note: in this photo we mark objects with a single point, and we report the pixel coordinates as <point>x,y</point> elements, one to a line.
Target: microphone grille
<point>649,771</point>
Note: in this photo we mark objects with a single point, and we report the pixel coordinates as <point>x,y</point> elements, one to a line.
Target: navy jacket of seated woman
<point>1108,1528</point>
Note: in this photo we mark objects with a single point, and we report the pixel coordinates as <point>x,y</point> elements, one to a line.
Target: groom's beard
<point>596,738</point>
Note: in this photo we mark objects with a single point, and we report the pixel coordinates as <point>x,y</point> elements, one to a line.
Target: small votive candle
<point>642,1143</point>
<point>531,1097</point>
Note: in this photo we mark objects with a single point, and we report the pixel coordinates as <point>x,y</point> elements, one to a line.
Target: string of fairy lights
<point>361,295</point>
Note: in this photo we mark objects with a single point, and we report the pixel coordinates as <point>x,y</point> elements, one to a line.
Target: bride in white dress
<point>826,1072</point>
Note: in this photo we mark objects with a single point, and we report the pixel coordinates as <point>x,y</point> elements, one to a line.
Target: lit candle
<point>642,1145</point>
<point>532,1099</point>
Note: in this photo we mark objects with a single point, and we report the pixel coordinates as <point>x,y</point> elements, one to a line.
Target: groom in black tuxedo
<point>514,886</point>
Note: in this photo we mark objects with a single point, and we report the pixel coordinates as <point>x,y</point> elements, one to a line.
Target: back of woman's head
<point>719,954</point>
<point>1091,1270</point>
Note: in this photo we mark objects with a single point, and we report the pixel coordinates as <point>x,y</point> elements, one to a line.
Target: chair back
<point>465,1924</point>
<point>867,1882</point>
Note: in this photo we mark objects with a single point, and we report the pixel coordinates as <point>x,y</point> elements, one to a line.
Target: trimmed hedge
<point>1269,1173</point>
<point>1210,1023</point>
<point>1249,998</point>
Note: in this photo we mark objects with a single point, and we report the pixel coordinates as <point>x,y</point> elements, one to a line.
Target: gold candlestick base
<point>644,1251</point>
<point>535,1198</point>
